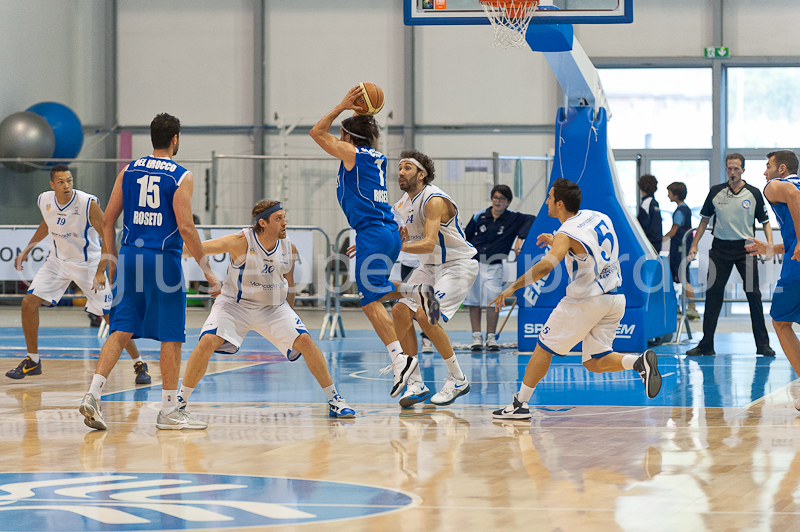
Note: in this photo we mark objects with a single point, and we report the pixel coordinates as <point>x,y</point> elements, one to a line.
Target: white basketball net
<point>510,20</point>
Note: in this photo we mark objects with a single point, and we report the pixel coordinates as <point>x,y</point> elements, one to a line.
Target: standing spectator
<point>736,206</point>
<point>681,224</point>
<point>493,231</point>
<point>649,212</point>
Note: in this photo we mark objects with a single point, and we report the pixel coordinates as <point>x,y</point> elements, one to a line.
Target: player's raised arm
<point>321,131</point>
<point>37,237</point>
<point>182,204</point>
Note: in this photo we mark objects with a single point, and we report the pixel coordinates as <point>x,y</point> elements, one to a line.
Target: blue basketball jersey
<point>790,270</point>
<point>362,191</point>
<point>148,187</point>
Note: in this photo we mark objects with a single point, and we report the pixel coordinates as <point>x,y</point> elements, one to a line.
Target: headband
<point>353,134</point>
<point>266,212</point>
<point>415,162</point>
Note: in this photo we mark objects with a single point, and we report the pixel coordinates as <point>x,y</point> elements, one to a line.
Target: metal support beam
<point>718,90</point>
<point>259,95</point>
<point>409,65</point>
<point>110,79</point>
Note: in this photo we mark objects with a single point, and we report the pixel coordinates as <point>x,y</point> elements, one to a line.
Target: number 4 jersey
<point>598,271</point>
<point>148,188</point>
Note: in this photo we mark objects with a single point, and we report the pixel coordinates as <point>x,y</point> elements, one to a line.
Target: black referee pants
<point>722,257</point>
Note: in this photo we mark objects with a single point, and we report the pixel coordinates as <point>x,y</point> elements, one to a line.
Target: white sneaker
<point>92,414</point>
<point>178,419</point>
<point>416,392</point>
<point>477,341</point>
<point>427,345</point>
<point>491,343</point>
<point>403,366</point>
<point>451,390</point>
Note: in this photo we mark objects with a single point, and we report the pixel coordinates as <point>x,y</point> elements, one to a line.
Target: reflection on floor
<point>718,449</point>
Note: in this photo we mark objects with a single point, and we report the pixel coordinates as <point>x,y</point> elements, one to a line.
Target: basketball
<point>371,101</point>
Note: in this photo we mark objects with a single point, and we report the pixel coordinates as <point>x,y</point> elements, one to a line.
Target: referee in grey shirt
<point>735,206</point>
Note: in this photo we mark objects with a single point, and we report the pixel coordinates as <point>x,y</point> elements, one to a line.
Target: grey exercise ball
<point>28,136</point>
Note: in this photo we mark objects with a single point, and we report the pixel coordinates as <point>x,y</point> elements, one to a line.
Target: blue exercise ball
<point>66,126</point>
<point>28,136</point>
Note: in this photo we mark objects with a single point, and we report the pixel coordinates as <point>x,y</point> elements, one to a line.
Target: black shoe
<point>142,376</point>
<point>25,368</point>
<point>767,351</point>
<point>647,367</point>
<point>698,351</point>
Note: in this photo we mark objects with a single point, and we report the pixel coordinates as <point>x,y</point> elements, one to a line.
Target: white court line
<point>782,389</point>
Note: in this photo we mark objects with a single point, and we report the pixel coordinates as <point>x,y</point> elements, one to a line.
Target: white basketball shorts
<point>591,320</point>
<point>231,321</point>
<point>53,278</point>
<point>451,281</point>
<point>487,286</point>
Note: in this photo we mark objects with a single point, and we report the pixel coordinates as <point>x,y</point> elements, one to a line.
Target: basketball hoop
<point>510,20</point>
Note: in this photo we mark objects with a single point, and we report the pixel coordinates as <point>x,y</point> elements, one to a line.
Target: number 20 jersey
<point>148,188</point>
<point>597,272</point>
<point>362,193</point>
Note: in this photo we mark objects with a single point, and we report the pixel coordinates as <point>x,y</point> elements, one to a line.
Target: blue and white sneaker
<point>416,392</point>
<point>451,390</point>
<point>339,409</point>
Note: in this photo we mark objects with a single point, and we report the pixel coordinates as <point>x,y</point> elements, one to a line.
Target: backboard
<point>461,12</point>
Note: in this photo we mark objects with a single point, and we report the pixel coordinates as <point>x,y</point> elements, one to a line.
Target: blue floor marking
<point>736,378</point>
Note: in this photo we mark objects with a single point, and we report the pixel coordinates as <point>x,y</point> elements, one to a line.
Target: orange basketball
<point>371,100</point>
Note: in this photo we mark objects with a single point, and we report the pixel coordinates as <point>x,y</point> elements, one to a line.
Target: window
<point>659,108</point>
<point>763,109</point>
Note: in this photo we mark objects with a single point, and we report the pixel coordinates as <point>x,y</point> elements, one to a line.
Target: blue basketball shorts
<point>377,248</point>
<point>786,302</point>
<point>149,295</point>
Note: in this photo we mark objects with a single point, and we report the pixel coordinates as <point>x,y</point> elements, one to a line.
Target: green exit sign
<point>718,51</point>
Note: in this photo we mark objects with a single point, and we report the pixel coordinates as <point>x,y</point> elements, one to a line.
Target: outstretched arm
<point>320,132</point>
<point>558,250</point>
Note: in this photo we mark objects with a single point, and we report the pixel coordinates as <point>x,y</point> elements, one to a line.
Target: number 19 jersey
<point>362,193</point>
<point>148,188</point>
<point>597,272</point>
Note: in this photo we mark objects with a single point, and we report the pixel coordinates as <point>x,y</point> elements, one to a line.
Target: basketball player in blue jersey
<point>154,195</point>
<point>592,308</point>
<point>74,220</point>
<point>258,295</point>
<point>783,193</point>
<point>361,191</point>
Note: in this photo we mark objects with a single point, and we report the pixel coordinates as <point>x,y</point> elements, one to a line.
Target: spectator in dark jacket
<point>649,211</point>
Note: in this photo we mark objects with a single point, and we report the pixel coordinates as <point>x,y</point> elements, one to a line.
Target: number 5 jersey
<point>598,271</point>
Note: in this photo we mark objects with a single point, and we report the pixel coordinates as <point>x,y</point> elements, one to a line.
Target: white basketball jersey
<point>598,271</point>
<point>258,279</point>
<point>72,237</point>
<point>450,244</point>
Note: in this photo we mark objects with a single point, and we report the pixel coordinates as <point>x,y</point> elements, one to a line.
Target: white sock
<point>454,368</point>
<point>169,400</point>
<point>628,360</point>
<point>137,360</point>
<point>394,349</point>
<point>330,391</point>
<point>96,389</point>
<point>407,289</point>
<point>525,393</point>
<point>34,357</point>
<point>184,393</point>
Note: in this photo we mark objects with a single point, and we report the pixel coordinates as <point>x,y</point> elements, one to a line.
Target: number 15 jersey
<point>598,271</point>
<point>148,188</point>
